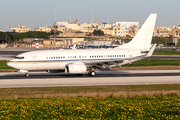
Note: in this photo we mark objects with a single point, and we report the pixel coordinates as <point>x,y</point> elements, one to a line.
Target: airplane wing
<point>107,64</point>
<point>112,63</point>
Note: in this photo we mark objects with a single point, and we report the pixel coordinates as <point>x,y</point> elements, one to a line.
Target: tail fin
<point>142,40</point>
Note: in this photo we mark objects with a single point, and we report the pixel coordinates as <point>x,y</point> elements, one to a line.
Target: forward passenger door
<point>34,58</point>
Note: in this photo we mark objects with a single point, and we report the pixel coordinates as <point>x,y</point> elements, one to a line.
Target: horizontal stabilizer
<point>151,51</point>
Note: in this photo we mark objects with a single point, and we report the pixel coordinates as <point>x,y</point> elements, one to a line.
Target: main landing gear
<point>27,75</point>
<point>91,73</point>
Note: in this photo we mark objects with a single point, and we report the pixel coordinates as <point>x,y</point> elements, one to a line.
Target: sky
<point>38,13</point>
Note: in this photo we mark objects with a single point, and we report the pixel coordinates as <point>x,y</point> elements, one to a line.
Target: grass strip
<point>155,62</point>
<point>3,65</point>
<point>145,107</point>
<point>94,91</point>
<point>166,52</point>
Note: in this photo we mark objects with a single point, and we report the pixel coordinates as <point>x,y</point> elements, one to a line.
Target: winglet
<point>151,51</point>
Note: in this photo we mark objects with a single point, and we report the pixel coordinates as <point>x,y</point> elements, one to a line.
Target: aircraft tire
<point>26,75</point>
<point>92,73</point>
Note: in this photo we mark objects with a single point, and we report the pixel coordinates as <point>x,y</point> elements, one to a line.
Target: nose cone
<point>10,64</point>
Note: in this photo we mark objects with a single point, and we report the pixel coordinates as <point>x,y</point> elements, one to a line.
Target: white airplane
<point>79,61</point>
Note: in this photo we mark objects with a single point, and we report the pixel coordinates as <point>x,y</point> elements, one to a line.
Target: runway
<point>125,77</point>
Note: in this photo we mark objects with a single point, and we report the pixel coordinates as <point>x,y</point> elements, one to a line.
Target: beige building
<point>175,32</point>
<point>108,32</point>
<point>21,29</point>
<point>162,31</point>
<point>133,31</point>
<point>167,31</point>
<point>66,41</point>
<point>43,29</point>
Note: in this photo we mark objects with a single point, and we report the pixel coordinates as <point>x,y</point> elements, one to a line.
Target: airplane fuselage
<point>58,59</point>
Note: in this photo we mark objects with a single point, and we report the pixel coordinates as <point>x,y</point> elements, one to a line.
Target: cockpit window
<point>19,58</point>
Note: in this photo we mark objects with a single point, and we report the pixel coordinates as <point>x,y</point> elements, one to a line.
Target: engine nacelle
<point>54,71</point>
<point>75,68</point>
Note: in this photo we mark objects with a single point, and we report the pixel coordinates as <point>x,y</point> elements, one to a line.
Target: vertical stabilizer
<point>142,40</point>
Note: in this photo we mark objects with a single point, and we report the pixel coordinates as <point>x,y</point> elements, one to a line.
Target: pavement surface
<point>125,77</point>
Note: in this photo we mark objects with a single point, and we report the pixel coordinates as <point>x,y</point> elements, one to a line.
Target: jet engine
<point>75,68</point>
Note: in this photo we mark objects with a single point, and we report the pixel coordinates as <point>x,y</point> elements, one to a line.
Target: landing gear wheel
<point>92,73</point>
<point>26,75</point>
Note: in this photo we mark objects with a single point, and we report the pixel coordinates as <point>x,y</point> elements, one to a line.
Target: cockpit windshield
<point>19,58</point>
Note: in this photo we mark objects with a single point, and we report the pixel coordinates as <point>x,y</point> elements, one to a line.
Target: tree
<point>17,36</point>
<point>98,33</point>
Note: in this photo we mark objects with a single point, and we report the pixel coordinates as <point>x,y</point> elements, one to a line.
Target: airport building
<point>51,43</point>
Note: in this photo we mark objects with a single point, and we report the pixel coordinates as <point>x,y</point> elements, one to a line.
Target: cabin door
<point>130,53</point>
<point>34,58</point>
